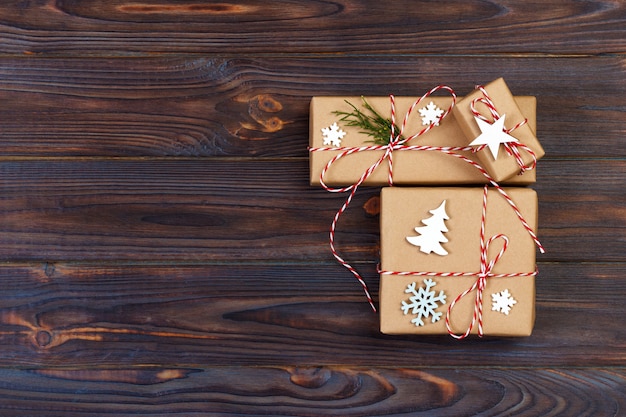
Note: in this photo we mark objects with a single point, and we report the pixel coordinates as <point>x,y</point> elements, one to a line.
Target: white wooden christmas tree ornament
<point>431,236</point>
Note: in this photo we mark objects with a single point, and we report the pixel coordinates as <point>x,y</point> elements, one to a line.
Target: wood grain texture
<point>162,252</point>
<point>313,391</point>
<point>120,27</point>
<point>85,315</point>
<point>207,106</point>
<point>222,209</point>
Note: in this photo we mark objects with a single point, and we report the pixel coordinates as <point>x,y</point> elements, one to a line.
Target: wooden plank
<point>277,26</point>
<point>233,210</point>
<point>312,391</point>
<point>206,106</point>
<point>86,315</point>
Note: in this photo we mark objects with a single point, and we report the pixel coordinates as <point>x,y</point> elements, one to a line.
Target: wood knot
<point>49,269</point>
<point>258,108</point>
<point>43,338</point>
<point>372,206</point>
<point>273,124</point>
<point>267,103</point>
<point>46,273</point>
<point>310,377</point>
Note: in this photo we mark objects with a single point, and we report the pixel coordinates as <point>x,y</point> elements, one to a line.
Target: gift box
<point>432,257</point>
<point>409,166</point>
<point>502,114</point>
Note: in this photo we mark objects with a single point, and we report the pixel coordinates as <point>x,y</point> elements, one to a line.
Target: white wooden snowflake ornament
<point>431,236</point>
<point>333,135</point>
<point>423,302</point>
<point>502,301</point>
<point>492,135</point>
<point>431,114</point>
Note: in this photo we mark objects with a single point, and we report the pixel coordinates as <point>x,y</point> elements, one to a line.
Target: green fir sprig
<point>373,125</point>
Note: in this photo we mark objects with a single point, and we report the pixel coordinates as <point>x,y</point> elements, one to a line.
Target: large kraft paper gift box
<point>418,235</point>
<point>409,167</point>
<point>503,166</point>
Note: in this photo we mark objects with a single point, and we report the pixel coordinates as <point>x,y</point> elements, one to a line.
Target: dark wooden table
<point>163,253</point>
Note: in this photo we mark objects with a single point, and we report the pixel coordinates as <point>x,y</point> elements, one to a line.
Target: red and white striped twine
<point>512,148</point>
<point>396,143</point>
<point>479,285</point>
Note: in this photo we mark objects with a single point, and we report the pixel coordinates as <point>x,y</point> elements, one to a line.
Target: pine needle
<point>373,125</point>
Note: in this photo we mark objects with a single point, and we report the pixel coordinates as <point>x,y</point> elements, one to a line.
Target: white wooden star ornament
<point>492,135</point>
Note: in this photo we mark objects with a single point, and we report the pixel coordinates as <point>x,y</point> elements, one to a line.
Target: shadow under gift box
<point>403,209</point>
<point>410,167</point>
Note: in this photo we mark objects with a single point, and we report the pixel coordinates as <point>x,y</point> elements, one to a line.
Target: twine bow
<point>485,272</point>
<point>396,143</point>
<point>479,285</point>
<point>512,148</point>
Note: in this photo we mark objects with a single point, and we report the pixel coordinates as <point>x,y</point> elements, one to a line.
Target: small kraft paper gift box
<point>410,167</point>
<point>503,131</point>
<point>457,260</point>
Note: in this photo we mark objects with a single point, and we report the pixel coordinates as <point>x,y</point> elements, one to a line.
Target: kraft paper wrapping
<point>402,209</point>
<point>409,167</point>
<point>505,166</point>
